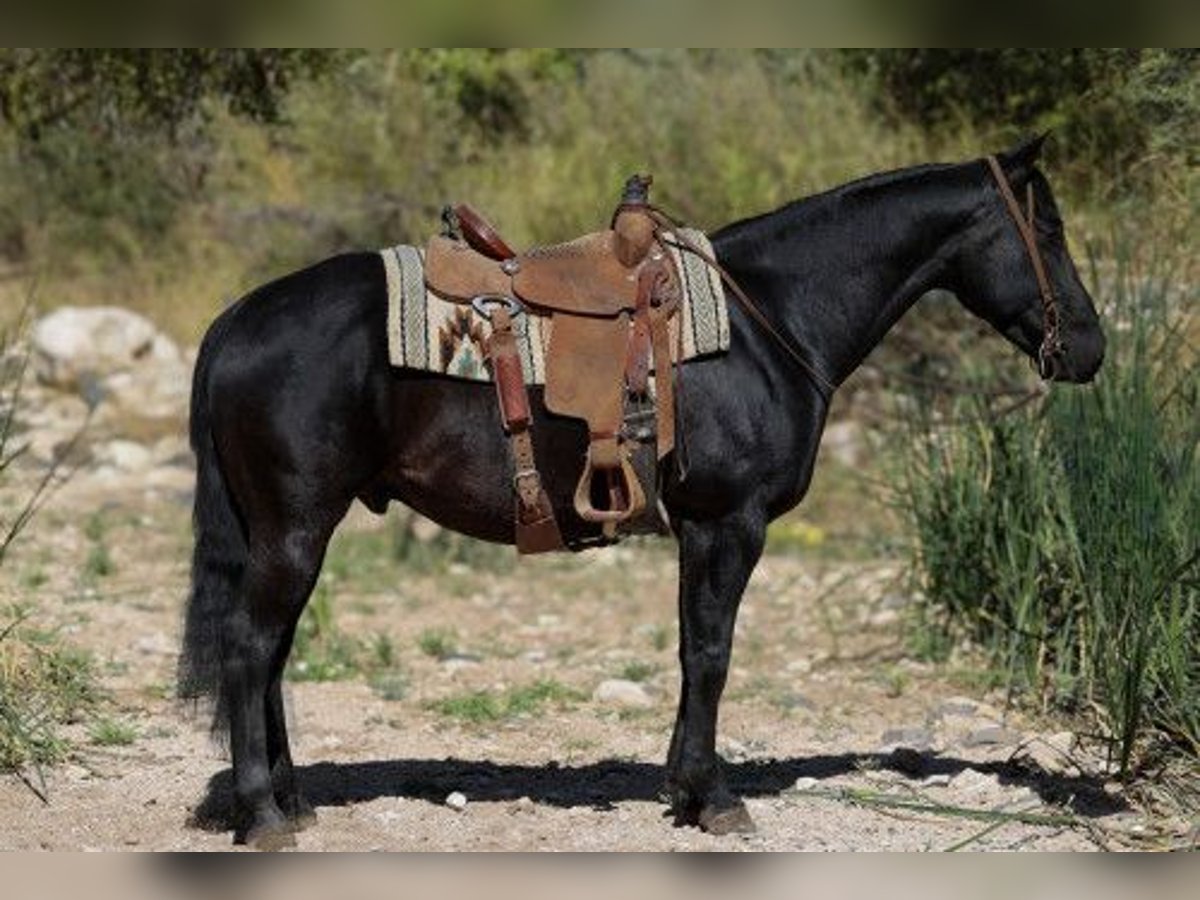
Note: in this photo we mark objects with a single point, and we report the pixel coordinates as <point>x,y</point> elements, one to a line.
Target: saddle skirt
<point>432,334</point>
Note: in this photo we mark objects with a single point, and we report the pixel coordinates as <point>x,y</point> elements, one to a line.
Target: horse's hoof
<point>302,820</point>
<point>273,837</point>
<point>730,820</point>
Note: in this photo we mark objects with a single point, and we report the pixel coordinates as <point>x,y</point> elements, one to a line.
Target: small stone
<point>456,662</point>
<point>991,736</point>
<point>734,751</point>
<point>156,644</point>
<point>457,801</point>
<point>844,442</point>
<point>958,706</point>
<point>805,783</point>
<point>915,738</point>
<point>938,779</point>
<point>1022,797</point>
<point>621,692</point>
<point>128,456</point>
<point>793,701</point>
<point>884,618</point>
<point>972,781</point>
<point>1052,753</point>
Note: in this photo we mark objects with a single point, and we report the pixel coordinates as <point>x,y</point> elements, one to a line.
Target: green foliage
<point>143,89</point>
<point>103,147</point>
<point>106,732</point>
<point>478,707</point>
<point>99,562</point>
<point>423,552</point>
<point>44,684</point>
<point>639,671</point>
<point>491,89</point>
<point>390,685</point>
<point>440,643</point>
<point>321,651</point>
<point>1064,538</point>
<point>1112,109</point>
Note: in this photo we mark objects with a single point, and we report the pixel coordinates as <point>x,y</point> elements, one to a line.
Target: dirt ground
<point>482,677</point>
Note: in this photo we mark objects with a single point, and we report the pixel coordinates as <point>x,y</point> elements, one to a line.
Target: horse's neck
<point>836,271</point>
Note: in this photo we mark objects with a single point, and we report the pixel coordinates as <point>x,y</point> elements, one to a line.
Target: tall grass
<point>1065,537</point>
<point>44,683</point>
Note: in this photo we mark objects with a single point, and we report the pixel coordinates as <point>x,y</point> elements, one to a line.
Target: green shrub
<point>1113,109</point>
<point>44,684</point>
<point>1063,537</point>
<point>478,707</point>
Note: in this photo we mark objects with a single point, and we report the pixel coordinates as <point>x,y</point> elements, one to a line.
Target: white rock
<point>805,783</point>
<point>884,618</point>
<point>172,450</point>
<point>844,441</point>
<point>958,707</point>
<point>156,644</point>
<point>154,390</point>
<point>452,665</point>
<point>457,801</point>
<point>1053,753</point>
<point>974,783</point>
<point>620,692</point>
<point>734,750</point>
<point>127,456</point>
<point>100,340</point>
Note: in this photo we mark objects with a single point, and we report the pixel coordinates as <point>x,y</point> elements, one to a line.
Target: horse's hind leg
<point>279,577</point>
<point>288,796</point>
<point>715,562</point>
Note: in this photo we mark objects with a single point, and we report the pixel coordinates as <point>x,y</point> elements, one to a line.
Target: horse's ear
<point>1020,160</point>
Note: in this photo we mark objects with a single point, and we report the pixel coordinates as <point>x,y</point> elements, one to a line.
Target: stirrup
<point>632,489</point>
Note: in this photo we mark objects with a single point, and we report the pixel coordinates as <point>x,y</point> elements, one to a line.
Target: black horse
<point>296,412</point>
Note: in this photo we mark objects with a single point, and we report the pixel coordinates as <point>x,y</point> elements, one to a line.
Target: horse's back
<point>289,376</point>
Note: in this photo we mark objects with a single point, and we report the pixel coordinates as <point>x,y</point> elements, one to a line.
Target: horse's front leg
<point>715,562</point>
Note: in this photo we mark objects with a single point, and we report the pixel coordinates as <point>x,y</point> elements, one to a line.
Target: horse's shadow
<point>601,785</point>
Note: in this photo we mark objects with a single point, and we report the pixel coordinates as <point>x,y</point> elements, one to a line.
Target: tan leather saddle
<point>609,297</point>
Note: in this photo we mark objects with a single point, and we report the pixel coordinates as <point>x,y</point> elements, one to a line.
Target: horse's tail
<point>219,557</point>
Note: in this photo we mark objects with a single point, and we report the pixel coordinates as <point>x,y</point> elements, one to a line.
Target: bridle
<point>1052,347</point>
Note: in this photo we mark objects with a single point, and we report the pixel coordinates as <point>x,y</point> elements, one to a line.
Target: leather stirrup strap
<point>536,528</point>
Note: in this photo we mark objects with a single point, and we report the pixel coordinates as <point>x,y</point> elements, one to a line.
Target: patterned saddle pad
<point>428,333</point>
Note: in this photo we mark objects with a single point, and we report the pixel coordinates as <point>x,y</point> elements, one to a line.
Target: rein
<point>666,222</point>
<point>1052,346</point>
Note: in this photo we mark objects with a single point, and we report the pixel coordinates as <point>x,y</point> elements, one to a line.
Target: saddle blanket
<point>429,333</point>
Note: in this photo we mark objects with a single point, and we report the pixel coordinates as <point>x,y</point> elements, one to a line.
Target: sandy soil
<point>825,715</point>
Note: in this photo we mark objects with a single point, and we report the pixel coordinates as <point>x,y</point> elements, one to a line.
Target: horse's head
<point>1051,319</point>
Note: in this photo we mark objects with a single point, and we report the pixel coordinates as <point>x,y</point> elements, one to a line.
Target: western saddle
<point>608,298</point>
